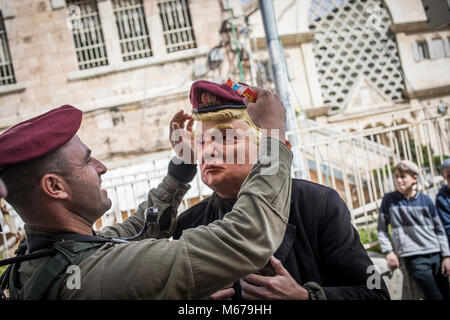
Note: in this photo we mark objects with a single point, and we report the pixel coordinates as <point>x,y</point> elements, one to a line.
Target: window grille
<point>437,48</point>
<point>447,47</point>
<point>87,33</point>
<point>132,28</point>
<point>351,40</point>
<point>177,25</point>
<point>6,67</point>
<point>424,52</point>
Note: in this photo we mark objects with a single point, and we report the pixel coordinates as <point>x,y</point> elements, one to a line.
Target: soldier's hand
<point>181,136</point>
<point>3,191</point>
<point>279,287</point>
<point>267,112</point>
<point>224,294</point>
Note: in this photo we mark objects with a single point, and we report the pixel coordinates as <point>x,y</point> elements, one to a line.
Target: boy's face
<point>404,182</point>
<point>446,175</point>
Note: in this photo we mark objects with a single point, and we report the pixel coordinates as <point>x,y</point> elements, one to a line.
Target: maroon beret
<point>36,137</point>
<point>207,96</point>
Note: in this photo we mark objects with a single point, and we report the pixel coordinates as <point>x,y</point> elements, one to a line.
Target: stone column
<point>154,26</point>
<point>110,33</point>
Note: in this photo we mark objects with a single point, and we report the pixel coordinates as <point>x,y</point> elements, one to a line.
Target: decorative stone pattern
<point>351,41</point>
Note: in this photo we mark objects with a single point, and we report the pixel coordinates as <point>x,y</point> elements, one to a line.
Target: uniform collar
<point>40,238</point>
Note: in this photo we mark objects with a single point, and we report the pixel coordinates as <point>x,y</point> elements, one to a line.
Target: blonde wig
<point>226,115</point>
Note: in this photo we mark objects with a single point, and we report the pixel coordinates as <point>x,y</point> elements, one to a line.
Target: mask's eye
<point>229,139</point>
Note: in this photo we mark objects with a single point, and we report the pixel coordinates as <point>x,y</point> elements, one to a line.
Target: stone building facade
<point>353,63</point>
<point>128,64</point>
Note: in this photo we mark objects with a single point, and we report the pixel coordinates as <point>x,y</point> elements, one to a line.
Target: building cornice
<point>141,63</point>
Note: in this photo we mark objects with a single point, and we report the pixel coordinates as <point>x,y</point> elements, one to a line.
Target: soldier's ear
<point>54,186</point>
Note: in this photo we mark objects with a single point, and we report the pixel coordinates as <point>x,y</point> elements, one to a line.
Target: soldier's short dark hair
<point>22,180</point>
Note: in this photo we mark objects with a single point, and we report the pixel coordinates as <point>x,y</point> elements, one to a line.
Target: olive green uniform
<point>203,260</point>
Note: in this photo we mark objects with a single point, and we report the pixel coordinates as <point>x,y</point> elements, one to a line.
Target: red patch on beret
<point>207,96</point>
<point>38,136</point>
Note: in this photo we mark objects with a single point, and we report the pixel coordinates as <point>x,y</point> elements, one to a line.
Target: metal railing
<point>87,34</point>
<point>6,67</point>
<point>359,165</point>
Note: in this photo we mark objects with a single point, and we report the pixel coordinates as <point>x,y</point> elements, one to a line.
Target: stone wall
<point>127,105</point>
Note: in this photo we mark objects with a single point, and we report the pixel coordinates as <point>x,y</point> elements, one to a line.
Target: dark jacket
<point>443,208</point>
<point>320,244</point>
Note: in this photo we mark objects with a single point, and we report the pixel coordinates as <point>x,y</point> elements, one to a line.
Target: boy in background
<point>418,235</point>
<point>443,198</point>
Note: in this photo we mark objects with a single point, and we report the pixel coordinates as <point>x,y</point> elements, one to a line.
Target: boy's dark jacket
<point>320,244</point>
<point>443,208</point>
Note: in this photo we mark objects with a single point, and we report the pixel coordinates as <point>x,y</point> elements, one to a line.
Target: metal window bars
<point>6,67</point>
<point>132,29</point>
<point>177,25</point>
<point>87,34</point>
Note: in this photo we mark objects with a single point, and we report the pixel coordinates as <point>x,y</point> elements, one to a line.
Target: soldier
<point>54,185</point>
<point>321,256</point>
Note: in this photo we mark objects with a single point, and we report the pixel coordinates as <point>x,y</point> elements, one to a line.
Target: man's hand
<point>279,287</point>
<point>392,261</point>
<point>224,294</point>
<point>181,138</point>
<point>3,191</point>
<point>267,112</point>
<point>445,266</point>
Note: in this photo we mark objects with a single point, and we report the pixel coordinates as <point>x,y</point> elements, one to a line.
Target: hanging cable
<point>236,43</point>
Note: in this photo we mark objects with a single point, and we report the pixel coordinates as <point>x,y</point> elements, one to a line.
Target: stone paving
<point>400,286</point>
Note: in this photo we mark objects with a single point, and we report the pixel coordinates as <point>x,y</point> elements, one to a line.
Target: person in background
<point>443,198</point>
<point>417,232</point>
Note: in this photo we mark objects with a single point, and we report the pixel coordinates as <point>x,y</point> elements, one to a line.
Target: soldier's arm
<point>166,197</point>
<point>204,259</point>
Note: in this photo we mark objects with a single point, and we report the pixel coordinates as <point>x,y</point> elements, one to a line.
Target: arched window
<point>352,40</point>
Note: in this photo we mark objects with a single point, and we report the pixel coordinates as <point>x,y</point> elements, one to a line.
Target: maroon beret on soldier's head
<point>36,137</point>
<point>207,96</point>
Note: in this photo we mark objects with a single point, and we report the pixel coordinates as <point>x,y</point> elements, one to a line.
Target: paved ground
<point>394,280</point>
